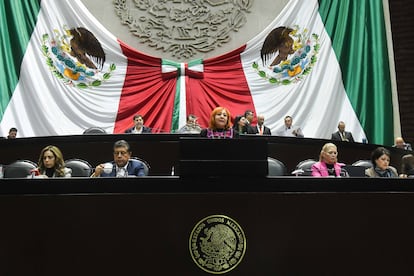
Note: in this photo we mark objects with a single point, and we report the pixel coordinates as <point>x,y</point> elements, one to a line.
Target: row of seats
<point>304,168</point>
<point>79,167</point>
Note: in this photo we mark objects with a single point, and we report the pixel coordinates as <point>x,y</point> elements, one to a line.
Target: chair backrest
<point>19,169</point>
<point>94,130</point>
<point>147,167</point>
<point>407,164</point>
<point>79,167</point>
<point>306,166</point>
<point>363,163</point>
<point>276,167</point>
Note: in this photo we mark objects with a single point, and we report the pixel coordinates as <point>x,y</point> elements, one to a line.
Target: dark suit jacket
<point>337,137</point>
<point>407,146</point>
<point>254,130</point>
<point>135,167</point>
<point>144,129</point>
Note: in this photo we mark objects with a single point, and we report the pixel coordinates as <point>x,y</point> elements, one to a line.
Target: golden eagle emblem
<point>217,244</point>
<point>277,40</point>
<point>84,43</point>
<point>76,57</point>
<point>292,52</point>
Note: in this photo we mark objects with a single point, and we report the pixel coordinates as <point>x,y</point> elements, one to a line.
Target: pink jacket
<point>320,169</point>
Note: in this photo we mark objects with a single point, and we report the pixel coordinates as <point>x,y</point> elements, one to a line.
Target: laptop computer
<point>354,171</point>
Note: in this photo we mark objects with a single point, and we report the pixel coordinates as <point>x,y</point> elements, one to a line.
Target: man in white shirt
<point>289,129</point>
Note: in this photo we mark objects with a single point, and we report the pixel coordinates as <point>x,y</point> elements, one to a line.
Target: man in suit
<point>401,144</point>
<point>138,126</point>
<point>122,166</point>
<point>249,115</point>
<point>341,134</point>
<point>260,128</point>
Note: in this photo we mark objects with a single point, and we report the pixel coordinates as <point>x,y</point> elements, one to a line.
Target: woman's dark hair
<point>377,153</point>
<point>236,124</point>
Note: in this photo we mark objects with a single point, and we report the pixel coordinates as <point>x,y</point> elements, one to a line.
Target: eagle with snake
<point>277,40</point>
<point>86,48</point>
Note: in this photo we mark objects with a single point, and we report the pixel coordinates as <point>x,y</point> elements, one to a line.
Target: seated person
<point>240,124</point>
<point>328,162</point>
<point>12,133</point>
<point>341,134</point>
<point>289,129</point>
<point>51,164</point>
<point>401,144</point>
<point>407,165</point>
<point>138,126</point>
<point>260,128</point>
<point>380,159</point>
<point>249,115</point>
<point>191,126</point>
<point>122,166</point>
<point>219,126</point>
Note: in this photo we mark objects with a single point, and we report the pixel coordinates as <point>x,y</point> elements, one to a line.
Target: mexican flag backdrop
<point>337,69</point>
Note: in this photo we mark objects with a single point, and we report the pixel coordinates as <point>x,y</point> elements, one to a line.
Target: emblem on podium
<point>217,244</point>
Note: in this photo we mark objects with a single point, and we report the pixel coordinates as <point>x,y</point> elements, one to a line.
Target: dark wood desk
<point>131,226</point>
<point>162,150</point>
<point>142,226</point>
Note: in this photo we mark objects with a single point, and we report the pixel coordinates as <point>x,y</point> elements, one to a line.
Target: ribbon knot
<point>171,69</point>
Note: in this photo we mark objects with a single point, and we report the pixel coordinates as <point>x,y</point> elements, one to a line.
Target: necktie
<point>261,130</point>
<point>121,172</point>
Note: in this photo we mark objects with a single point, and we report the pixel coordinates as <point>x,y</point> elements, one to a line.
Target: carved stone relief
<point>183,28</point>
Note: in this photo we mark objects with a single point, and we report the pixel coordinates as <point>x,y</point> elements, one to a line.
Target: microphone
<point>34,172</point>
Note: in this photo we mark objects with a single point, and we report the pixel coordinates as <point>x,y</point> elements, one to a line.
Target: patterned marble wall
<point>184,30</point>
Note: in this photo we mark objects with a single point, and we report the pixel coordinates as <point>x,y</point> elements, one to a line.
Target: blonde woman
<point>51,163</point>
<point>328,162</point>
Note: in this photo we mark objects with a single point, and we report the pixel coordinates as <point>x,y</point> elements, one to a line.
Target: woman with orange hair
<point>219,126</point>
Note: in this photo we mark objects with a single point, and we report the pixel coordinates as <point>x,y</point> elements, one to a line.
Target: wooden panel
<point>403,39</point>
<point>148,233</point>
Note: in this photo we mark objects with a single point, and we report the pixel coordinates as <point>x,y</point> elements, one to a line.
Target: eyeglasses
<point>120,152</point>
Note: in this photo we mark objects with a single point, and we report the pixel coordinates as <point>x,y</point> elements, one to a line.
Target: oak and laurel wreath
<point>68,62</point>
<point>291,62</point>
